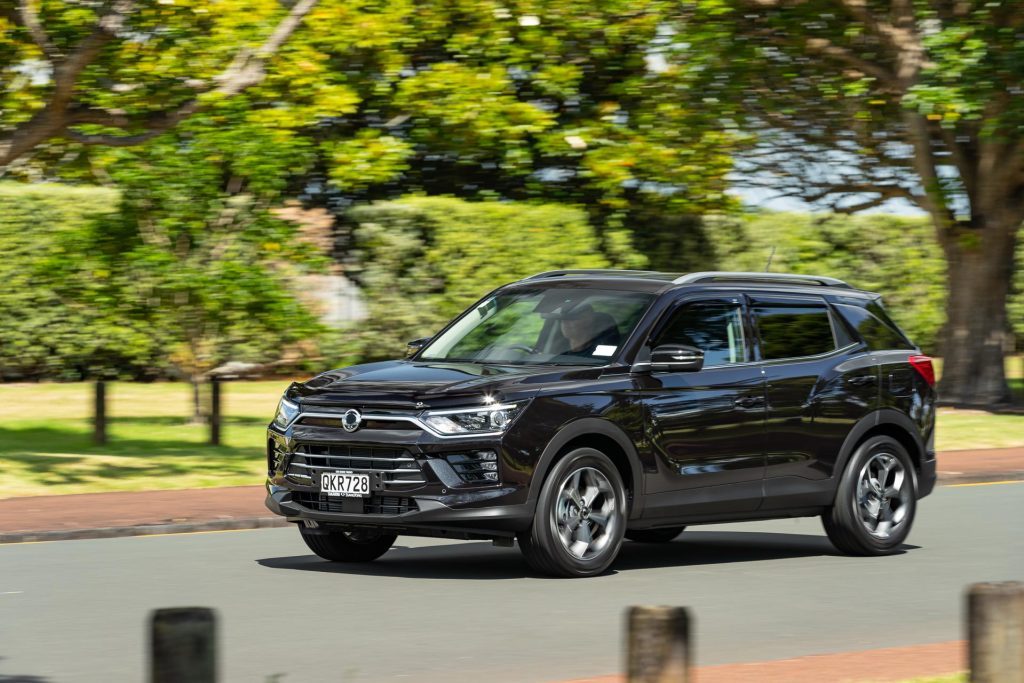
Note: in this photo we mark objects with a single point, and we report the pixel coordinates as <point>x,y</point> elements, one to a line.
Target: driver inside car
<point>588,332</point>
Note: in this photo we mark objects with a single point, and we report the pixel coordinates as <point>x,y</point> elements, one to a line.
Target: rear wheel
<point>348,546</point>
<point>654,535</point>
<point>580,518</point>
<point>876,500</point>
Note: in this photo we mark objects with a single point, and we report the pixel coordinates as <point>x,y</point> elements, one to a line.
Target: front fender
<point>582,428</point>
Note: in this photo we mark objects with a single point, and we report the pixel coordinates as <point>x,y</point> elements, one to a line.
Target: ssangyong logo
<point>351,419</point>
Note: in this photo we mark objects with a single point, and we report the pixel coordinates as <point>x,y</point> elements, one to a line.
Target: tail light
<point>923,365</point>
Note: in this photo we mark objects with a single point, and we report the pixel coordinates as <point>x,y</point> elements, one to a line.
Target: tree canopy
<point>857,102</point>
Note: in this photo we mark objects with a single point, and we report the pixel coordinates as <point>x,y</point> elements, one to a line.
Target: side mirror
<point>413,347</point>
<point>676,358</point>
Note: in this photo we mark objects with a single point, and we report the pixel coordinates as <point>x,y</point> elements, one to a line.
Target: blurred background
<point>261,190</point>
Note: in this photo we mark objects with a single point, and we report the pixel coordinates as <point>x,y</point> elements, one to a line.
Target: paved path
<point>465,612</point>
<point>98,515</point>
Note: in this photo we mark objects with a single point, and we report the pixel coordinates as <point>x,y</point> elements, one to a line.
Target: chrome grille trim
<point>398,471</point>
<point>386,417</point>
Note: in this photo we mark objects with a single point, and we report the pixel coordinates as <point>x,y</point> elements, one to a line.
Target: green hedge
<point>422,260</point>
<point>896,256</point>
<point>56,303</point>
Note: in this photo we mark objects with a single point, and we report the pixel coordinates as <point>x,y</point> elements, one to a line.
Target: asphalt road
<point>451,612</point>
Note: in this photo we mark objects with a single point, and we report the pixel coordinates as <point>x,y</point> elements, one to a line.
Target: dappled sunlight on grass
<point>971,429</point>
<point>42,457</point>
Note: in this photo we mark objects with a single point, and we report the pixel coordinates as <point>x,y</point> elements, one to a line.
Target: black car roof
<point>661,282</point>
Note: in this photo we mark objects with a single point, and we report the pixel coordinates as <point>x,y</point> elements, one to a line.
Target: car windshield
<point>543,326</point>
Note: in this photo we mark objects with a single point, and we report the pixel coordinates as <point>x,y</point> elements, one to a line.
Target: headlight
<point>485,420</point>
<point>286,412</point>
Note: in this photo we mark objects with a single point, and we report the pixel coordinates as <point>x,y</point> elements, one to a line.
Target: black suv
<point>573,409</point>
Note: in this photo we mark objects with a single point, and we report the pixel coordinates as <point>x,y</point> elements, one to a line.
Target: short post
<point>658,645</point>
<point>995,632</point>
<point>214,410</point>
<point>183,646</point>
<point>99,411</point>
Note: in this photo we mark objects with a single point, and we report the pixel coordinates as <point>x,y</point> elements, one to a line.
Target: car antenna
<point>768,266</point>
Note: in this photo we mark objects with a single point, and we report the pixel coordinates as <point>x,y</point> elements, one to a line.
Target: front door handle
<point>749,401</point>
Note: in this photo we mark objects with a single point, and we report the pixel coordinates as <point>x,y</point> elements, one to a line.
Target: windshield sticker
<point>604,350</point>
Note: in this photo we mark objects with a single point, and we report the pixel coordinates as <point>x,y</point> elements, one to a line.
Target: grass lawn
<point>45,429</point>
<point>45,433</point>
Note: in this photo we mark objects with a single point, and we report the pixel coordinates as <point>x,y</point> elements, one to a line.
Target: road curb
<point>946,479</point>
<point>143,530</point>
<point>267,522</point>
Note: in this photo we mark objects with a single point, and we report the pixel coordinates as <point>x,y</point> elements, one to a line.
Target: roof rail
<point>605,272</point>
<point>786,278</point>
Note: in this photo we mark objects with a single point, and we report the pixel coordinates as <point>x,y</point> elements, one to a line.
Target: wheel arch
<point>601,435</point>
<point>884,422</point>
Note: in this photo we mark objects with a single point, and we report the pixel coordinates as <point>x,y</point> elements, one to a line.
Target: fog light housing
<point>475,467</point>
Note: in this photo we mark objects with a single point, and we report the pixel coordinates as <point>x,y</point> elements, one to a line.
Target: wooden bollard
<point>99,413</point>
<point>658,645</point>
<point>995,632</point>
<point>183,647</point>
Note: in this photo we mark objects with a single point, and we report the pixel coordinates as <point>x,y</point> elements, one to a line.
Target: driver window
<point>715,327</point>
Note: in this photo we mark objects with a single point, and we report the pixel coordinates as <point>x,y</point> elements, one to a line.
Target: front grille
<point>395,466</point>
<point>373,505</point>
<point>335,422</point>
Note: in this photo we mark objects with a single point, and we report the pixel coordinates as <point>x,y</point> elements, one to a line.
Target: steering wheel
<point>521,347</point>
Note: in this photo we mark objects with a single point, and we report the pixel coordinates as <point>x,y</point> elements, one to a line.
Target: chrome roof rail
<point>768,278</point>
<point>605,272</point>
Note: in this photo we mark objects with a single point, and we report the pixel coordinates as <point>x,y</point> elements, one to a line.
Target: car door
<point>705,428</point>
<point>819,381</point>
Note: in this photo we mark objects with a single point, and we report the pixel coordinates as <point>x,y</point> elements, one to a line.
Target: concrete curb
<point>946,479</point>
<point>143,530</point>
<point>268,522</point>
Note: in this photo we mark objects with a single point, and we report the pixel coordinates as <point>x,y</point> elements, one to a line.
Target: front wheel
<point>348,546</point>
<point>580,518</point>
<point>876,500</point>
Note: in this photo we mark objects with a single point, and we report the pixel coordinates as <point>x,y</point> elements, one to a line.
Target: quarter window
<point>716,328</point>
<point>875,327</point>
<point>789,331</point>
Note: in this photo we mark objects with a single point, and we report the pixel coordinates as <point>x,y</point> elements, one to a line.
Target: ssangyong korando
<point>574,409</point>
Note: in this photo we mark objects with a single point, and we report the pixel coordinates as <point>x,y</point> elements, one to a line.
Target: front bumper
<point>414,488</point>
<point>432,517</point>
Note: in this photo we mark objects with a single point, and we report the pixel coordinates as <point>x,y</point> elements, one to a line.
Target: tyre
<point>348,546</point>
<point>654,535</point>
<point>876,500</point>
<point>580,518</point>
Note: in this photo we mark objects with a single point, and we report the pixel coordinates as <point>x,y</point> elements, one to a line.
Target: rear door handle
<point>861,380</point>
<point>749,401</point>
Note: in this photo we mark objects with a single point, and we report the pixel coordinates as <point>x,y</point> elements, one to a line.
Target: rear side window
<point>874,326</point>
<point>790,331</point>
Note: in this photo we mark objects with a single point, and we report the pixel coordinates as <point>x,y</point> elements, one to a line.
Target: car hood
<point>420,384</point>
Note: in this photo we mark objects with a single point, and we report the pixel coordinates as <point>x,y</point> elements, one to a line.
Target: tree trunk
<point>976,335</point>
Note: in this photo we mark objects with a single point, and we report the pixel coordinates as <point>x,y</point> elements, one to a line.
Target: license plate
<point>345,484</point>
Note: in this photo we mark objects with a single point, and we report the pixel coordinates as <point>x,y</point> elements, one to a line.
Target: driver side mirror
<point>413,347</point>
<point>676,358</point>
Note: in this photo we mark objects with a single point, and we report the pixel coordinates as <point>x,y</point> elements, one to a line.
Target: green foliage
<point>173,274</point>
<point>61,314</point>
<point>892,255</point>
<point>422,260</point>
<point>552,101</point>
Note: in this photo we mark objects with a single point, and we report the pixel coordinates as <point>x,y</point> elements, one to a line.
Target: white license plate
<point>345,484</point>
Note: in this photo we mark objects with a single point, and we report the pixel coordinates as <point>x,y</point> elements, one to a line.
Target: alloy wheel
<point>883,495</point>
<point>584,514</point>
